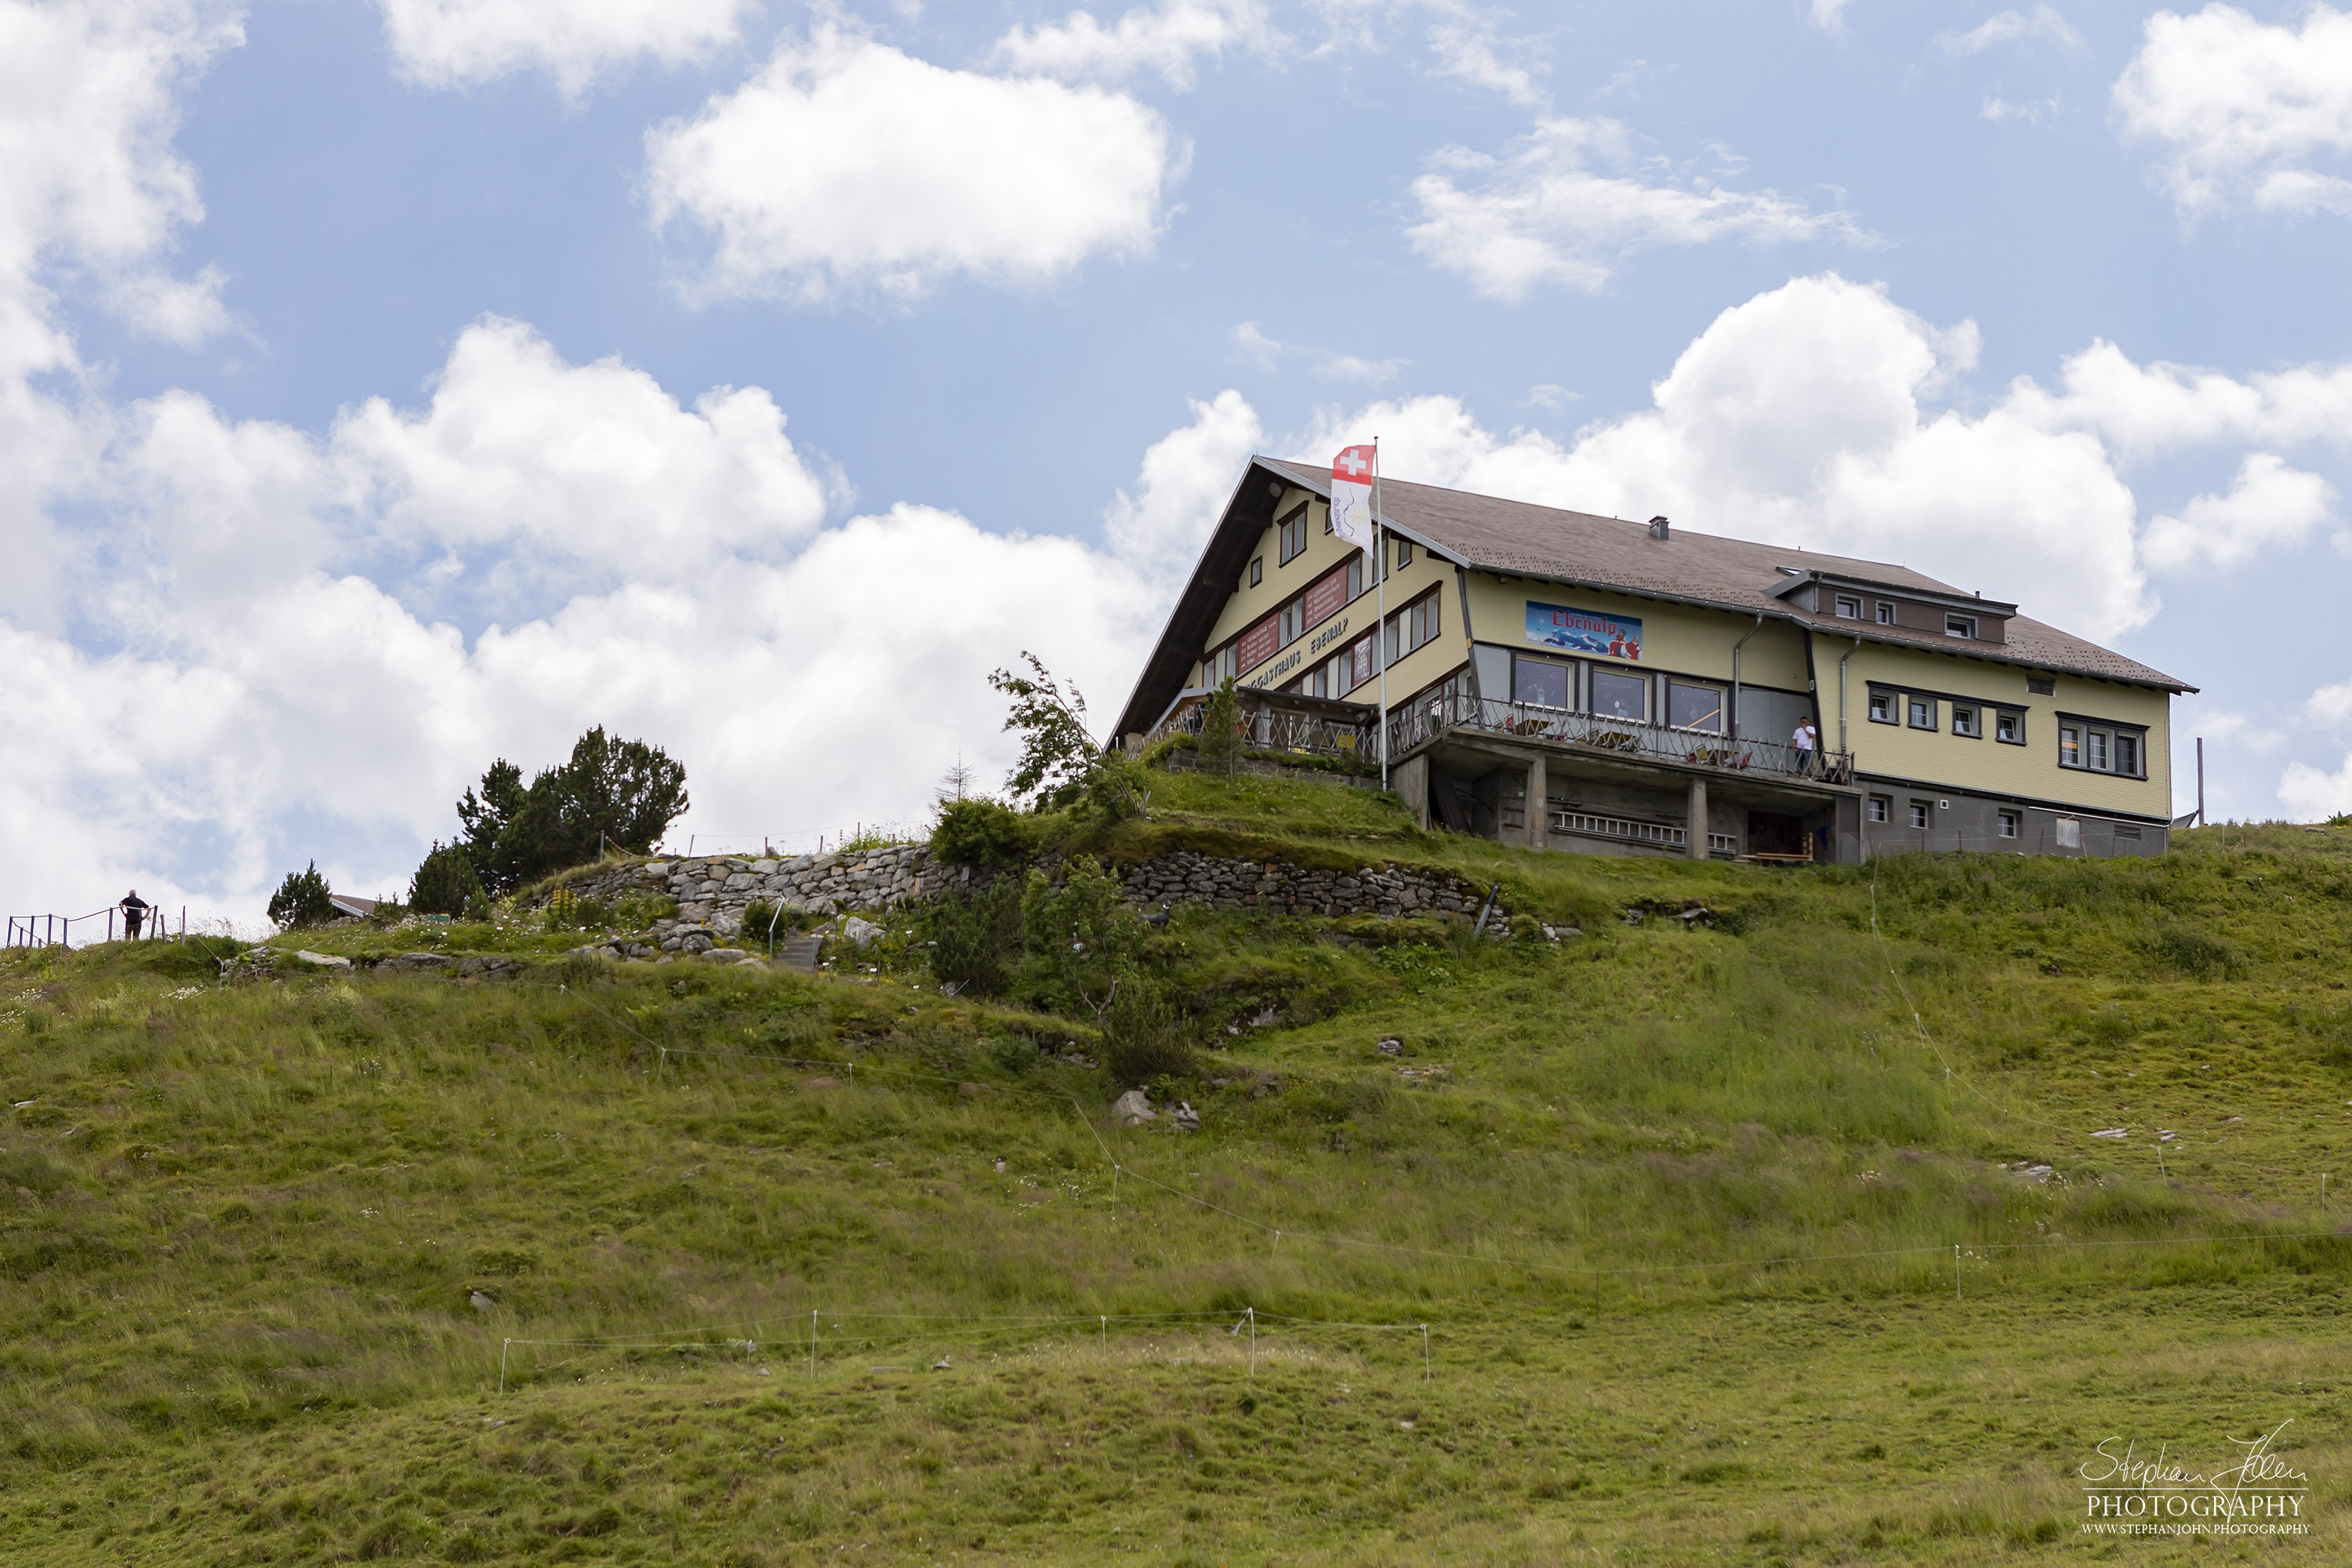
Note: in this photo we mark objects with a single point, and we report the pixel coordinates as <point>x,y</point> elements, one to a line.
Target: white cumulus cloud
<point>2244,107</point>
<point>1167,40</point>
<point>1803,417</point>
<point>2267,503</point>
<point>2313,794</point>
<point>453,42</point>
<point>844,164</point>
<point>1186,479</point>
<point>1567,203</point>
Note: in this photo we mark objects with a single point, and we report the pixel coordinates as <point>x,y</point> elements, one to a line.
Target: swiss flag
<point>1351,496</point>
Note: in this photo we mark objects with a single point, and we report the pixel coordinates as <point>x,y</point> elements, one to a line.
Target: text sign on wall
<point>1584,631</point>
<point>1327,596</point>
<point>1258,644</point>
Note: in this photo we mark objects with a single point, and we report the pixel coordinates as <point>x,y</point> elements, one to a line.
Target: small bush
<point>1144,1038</point>
<point>975,937</point>
<point>983,833</point>
<point>2195,953</point>
<point>1220,745</point>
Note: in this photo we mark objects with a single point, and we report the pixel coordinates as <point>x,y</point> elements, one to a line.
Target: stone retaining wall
<point>1188,877</point>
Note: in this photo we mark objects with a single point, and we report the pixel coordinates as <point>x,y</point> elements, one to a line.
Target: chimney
<point>1658,527</point>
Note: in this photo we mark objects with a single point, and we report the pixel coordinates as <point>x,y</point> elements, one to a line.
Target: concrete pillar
<point>1410,780</point>
<point>1539,803</point>
<point>1696,824</point>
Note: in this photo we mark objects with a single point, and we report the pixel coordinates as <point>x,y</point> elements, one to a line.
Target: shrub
<point>1219,748</point>
<point>302,899</point>
<point>1081,930</point>
<point>1144,1037</point>
<point>975,935</point>
<point>2193,951</point>
<point>980,832</point>
<point>445,883</point>
<point>1113,790</point>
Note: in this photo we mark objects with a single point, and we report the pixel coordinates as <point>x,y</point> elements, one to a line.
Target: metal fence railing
<point>1425,720</point>
<point>80,930</point>
<point>1283,729</point>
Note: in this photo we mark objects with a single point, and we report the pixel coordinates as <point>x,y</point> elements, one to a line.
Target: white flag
<point>1351,497</point>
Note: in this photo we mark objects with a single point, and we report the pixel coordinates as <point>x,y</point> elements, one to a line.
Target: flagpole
<point>1381,581</point>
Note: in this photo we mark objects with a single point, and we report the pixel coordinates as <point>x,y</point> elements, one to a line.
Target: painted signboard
<point>1259,642</point>
<point>1584,631</point>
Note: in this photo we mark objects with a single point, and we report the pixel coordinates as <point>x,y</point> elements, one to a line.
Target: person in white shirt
<point>1804,740</point>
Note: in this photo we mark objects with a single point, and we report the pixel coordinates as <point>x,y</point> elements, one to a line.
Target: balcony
<point>1599,735</point>
<point>1309,726</point>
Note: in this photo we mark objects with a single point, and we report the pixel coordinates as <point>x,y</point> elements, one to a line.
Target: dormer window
<point>1848,607</point>
<point>1885,612</point>
<point>1960,627</point>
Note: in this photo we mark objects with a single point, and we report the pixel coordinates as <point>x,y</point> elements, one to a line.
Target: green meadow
<point>1778,1236</point>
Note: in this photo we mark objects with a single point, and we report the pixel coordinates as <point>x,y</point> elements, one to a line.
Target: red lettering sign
<point>1260,643</point>
<point>1327,596</point>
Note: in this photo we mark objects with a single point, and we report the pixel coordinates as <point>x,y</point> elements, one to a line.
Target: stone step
<point>799,951</point>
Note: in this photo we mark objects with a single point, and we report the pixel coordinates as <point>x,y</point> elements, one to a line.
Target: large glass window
<point>1692,706</point>
<point>2102,748</point>
<point>1620,696</point>
<point>1542,681</point>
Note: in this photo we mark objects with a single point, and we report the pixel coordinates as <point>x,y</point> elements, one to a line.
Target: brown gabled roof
<point>1587,550</point>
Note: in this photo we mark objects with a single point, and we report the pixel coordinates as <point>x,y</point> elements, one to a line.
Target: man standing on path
<point>1805,740</point>
<point>134,911</point>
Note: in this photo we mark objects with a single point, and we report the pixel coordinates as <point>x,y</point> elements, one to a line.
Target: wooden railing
<point>1425,720</point>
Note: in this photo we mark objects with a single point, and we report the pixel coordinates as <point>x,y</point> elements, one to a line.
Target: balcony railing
<point>1269,728</point>
<point>1425,720</point>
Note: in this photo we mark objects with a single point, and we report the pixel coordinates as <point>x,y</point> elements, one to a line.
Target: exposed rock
<point>323,960</point>
<point>725,955</point>
<point>1186,1119</point>
<point>411,961</point>
<point>1391,1046</point>
<point>858,932</point>
<point>1133,1109</point>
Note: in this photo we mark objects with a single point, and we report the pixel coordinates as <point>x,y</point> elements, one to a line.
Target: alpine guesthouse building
<point>1562,680</point>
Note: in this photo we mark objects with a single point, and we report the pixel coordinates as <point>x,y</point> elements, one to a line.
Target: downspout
<point>1735,673</point>
<point>1848,654</point>
<point>1469,638</point>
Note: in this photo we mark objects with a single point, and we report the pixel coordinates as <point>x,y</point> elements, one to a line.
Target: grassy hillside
<point>1677,1206</point>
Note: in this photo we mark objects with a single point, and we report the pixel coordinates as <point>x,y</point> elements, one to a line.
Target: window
<point>1881,808</point>
<point>2103,748</point>
<point>1882,707</point>
<point>1546,682</point>
<point>1964,720</point>
<point>1960,627</point>
<point>2070,832</point>
<point>1294,536</point>
<point>1885,612</point>
<point>1294,616</point>
<point>1849,608</point>
<point>1421,621</point>
<point>2042,685</point>
<point>1257,570</point>
<point>1918,814</point>
<point>1403,553</point>
<point>1692,706</point>
<point>2009,727</point>
<point>1923,712</point>
<point>2008,824</point>
<point>2125,831</point>
<point>1221,665</point>
<point>1620,696</point>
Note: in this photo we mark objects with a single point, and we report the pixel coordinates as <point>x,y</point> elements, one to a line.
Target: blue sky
<point>386,388</point>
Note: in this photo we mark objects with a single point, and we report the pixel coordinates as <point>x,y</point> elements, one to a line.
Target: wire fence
<point>99,925</point>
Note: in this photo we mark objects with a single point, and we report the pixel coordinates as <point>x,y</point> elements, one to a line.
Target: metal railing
<point>1283,730</point>
<point>78,931</point>
<point>1425,720</point>
<point>1632,830</point>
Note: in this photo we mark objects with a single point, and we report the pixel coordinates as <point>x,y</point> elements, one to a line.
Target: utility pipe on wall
<point>1848,654</point>
<point>1735,671</point>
